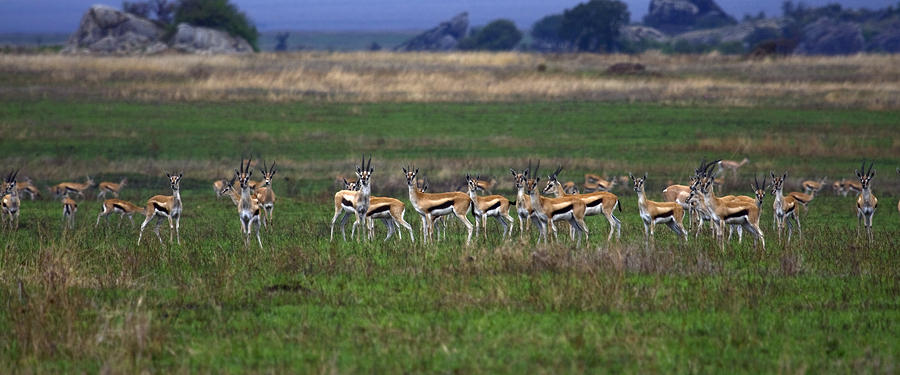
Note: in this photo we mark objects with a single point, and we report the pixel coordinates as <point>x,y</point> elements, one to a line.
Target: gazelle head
<point>243,175</point>
<point>174,180</point>
<point>865,179</point>
<point>268,173</point>
<point>350,185</point>
<point>638,182</point>
<point>759,189</point>
<point>10,185</point>
<point>472,183</point>
<point>364,172</point>
<point>778,182</point>
<point>410,175</point>
<point>521,178</point>
<point>423,187</point>
<point>123,182</point>
<point>227,186</point>
<point>553,181</point>
<point>531,184</point>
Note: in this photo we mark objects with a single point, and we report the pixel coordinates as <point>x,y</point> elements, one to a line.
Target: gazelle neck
<point>642,200</point>
<point>558,190</point>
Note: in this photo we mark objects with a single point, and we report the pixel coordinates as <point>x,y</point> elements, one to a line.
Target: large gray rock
<point>733,33</point>
<point>202,40</point>
<point>638,34</point>
<point>105,30</point>
<point>444,37</point>
<point>674,16</point>
<point>830,37</point>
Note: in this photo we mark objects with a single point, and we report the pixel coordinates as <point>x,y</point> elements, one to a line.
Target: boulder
<point>638,34</point>
<point>826,36</point>
<point>444,37</point>
<point>202,40</point>
<point>733,33</point>
<point>105,30</point>
<point>674,16</point>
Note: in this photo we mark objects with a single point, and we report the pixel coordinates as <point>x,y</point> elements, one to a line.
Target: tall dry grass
<point>869,81</point>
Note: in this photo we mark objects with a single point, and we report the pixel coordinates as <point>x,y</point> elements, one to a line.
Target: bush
<point>499,35</point>
<point>217,14</point>
<point>594,26</point>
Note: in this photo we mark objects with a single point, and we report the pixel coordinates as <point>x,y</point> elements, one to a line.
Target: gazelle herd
<point>543,207</point>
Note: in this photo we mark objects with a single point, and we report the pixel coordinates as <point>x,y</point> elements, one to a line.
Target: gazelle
<point>362,200</point>
<point>594,183</point>
<point>803,199</point>
<point>10,201</point>
<point>784,207</point>
<point>391,212</point>
<point>28,188</point>
<point>570,188</point>
<point>432,205</point>
<point>264,193</point>
<point>652,213</point>
<point>548,211</point>
<point>866,203</point>
<point>496,206</point>
<point>165,206</point>
<point>72,187</point>
<point>852,186</point>
<point>523,200</point>
<point>898,202</point>
<point>596,203</point>
<point>732,165</point>
<point>124,208</point>
<point>111,188</point>
<point>732,211</point>
<point>838,187</point>
<point>344,203</point>
<point>70,207</point>
<point>813,186</point>
<point>219,186</point>
<point>248,208</point>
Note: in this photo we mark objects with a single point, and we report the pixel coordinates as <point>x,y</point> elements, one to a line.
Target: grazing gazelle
<point>432,205</point>
<point>72,187</point>
<point>111,188</point>
<point>10,201</point>
<point>496,206</point>
<point>547,211</point>
<point>594,183</point>
<point>70,207</point>
<point>652,213</point>
<point>813,186</point>
<point>165,206</point>
<point>570,188</point>
<point>248,208</point>
<point>28,188</point>
<point>124,208</point>
<point>264,193</point>
<point>596,203</point>
<point>803,199</point>
<point>732,165</point>
<point>866,203</point>
<point>784,207</point>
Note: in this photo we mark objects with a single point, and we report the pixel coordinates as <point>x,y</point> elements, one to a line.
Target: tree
<point>217,14</point>
<point>594,26</point>
<point>163,10</point>
<point>281,39</point>
<point>545,33</point>
<point>499,35</point>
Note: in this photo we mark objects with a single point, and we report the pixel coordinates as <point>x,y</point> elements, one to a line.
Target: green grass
<point>92,300</point>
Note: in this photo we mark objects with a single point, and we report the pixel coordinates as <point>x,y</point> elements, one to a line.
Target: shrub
<point>499,35</point>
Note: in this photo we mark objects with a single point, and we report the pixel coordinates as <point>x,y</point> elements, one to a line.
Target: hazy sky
<point>63,15</point>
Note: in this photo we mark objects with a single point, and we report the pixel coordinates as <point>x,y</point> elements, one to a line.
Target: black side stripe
<point>159,207</point>
<point>595,203</point>
<point>378,209</point>
<point>562,210</point>
<point>494,206</point>
<point>346,202</point>
<point>740,213</point>
<point>442,206</point>
<point>119,206</point>
<point>665,214</point>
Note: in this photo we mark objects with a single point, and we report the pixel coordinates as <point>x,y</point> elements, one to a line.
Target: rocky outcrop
<point>202,40</point>
<point>444,37</point>
<point>105,30</point>
<point>109,31</point>
<point>830,37</point>
<point>638,34</point>
<point>734,33</point>
<point>674,16</point>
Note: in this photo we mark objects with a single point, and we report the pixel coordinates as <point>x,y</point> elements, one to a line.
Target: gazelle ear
<point>645,175</point>
<point>404,170</point>
<point>170,176</point>
<point>773,174</point>
<point>417,171</point>
<point>525,174</point>
<point>180,174</point>
<point>514,172</point>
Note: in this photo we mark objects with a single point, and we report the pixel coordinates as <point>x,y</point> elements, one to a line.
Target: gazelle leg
<point>178,228</point>
<point>143,225</point>
<point>159,220</point>
<point>333,220</point>
<point>468,225</point>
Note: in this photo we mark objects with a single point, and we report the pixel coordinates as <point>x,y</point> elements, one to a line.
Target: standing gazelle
<point>111,188</point>
<point>248,208</point>
<point>496,206</point>
<point>652,213</point>
<point>547,211</point>
<point>363,195</point>
<point>72,187</point>
<point>27,188</point>
<point>264,194</point>
<point>866,203</point>
<point>70,207</point>
<point>124,208</point>
<point>10,201</point>
<point>523,200</point>
<point>165,206</point>
<point>784,207</point>
<point>433,205</point>
<point>596,203</point>
<point>731,210</point>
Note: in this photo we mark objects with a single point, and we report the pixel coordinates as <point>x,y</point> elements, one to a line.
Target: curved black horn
<point>868,173</point>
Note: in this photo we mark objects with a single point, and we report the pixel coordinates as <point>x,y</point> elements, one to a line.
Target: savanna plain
<point>92,300</point>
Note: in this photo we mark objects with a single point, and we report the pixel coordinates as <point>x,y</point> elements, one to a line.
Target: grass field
<point>91,300</point>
